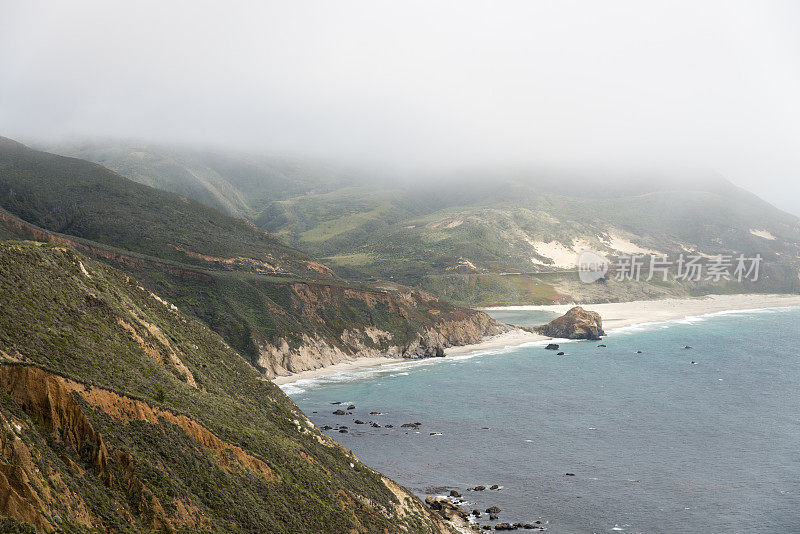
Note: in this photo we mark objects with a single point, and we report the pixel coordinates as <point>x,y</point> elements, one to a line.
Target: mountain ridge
<point>506,236</point>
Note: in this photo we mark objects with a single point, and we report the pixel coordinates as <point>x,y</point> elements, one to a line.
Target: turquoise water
<point>656,443</point>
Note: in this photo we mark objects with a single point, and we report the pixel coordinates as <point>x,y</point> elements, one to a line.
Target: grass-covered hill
<point>498,236</point>
<point>75,197</point>
<point>239,184</point>
<point>121,414</point>
<point>283,311</point>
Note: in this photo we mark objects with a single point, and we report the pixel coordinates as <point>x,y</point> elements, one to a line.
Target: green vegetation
<point>76,317</point>
<point>82,199</point>
<point>255,291</point>
<point>421,234</point>
<point>493,289</point>
<point>238,184</point>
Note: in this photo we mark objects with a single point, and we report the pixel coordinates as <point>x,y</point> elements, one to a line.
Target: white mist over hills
<point>420,85</point>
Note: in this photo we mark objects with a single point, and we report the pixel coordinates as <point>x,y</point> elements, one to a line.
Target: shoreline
<point>621,314</point>
<point>507,339</point>
<point>347,365</point>
<point>615,315</point>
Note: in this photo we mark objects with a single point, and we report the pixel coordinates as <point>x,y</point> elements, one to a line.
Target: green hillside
<point>74,197</point>
<point>505,236</point>
<point>239,184</point>
<point>285,312</point>
<point>121,414</point>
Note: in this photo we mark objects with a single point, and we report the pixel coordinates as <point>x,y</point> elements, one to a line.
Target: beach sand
<point>356,363</point>
<point>619,314</point>
<point>509,339</point>
<point>615,315</point>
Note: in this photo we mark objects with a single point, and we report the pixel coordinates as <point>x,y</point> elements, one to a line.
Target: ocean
<point>652,441</point>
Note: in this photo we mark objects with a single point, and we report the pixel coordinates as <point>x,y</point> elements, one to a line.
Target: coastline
<point>615,315</point>
<point>349,365</point>
<point>507,339</point>
<point>621,314</point>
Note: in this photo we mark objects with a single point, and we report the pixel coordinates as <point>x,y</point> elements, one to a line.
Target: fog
<point>422,85</point>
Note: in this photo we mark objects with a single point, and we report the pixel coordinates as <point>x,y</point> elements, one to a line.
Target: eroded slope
<point>121,413</point>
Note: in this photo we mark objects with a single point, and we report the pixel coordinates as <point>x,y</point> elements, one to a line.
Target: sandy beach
<point>357,363</point>
<point>615,315</point>
<point>509,339</point>
<point>619,314</point>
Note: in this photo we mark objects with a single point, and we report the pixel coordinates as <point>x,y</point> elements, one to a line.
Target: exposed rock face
<point>577,323</point>
<point>461,327</point>
<point>33,487</point>
<point>51,399</point>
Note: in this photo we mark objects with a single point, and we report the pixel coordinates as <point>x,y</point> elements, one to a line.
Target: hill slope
<point>285,312</point>
<point>120,412</point>
<point>504,236</point>
<point>74,197</point>
<point>238,184</point>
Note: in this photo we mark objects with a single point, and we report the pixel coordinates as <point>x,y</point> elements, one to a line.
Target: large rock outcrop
<point>577,323</point>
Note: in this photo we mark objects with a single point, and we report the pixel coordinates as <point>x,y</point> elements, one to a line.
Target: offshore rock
<point>577,323</point>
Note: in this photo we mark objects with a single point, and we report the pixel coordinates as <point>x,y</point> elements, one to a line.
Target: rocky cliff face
<point>439,326</point>
<point>577,323</point>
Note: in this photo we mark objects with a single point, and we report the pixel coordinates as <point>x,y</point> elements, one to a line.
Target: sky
<point>710,85</point>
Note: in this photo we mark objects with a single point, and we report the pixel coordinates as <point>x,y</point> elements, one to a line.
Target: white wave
<point>393,370</point>
<point>401,369</point>
<point>694,319</point>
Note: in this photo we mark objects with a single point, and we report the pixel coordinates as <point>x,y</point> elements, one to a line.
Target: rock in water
<point>577,323</point>
<point>445,508</point>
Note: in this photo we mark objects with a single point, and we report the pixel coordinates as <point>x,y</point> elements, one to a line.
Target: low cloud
<point>421,85</point>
